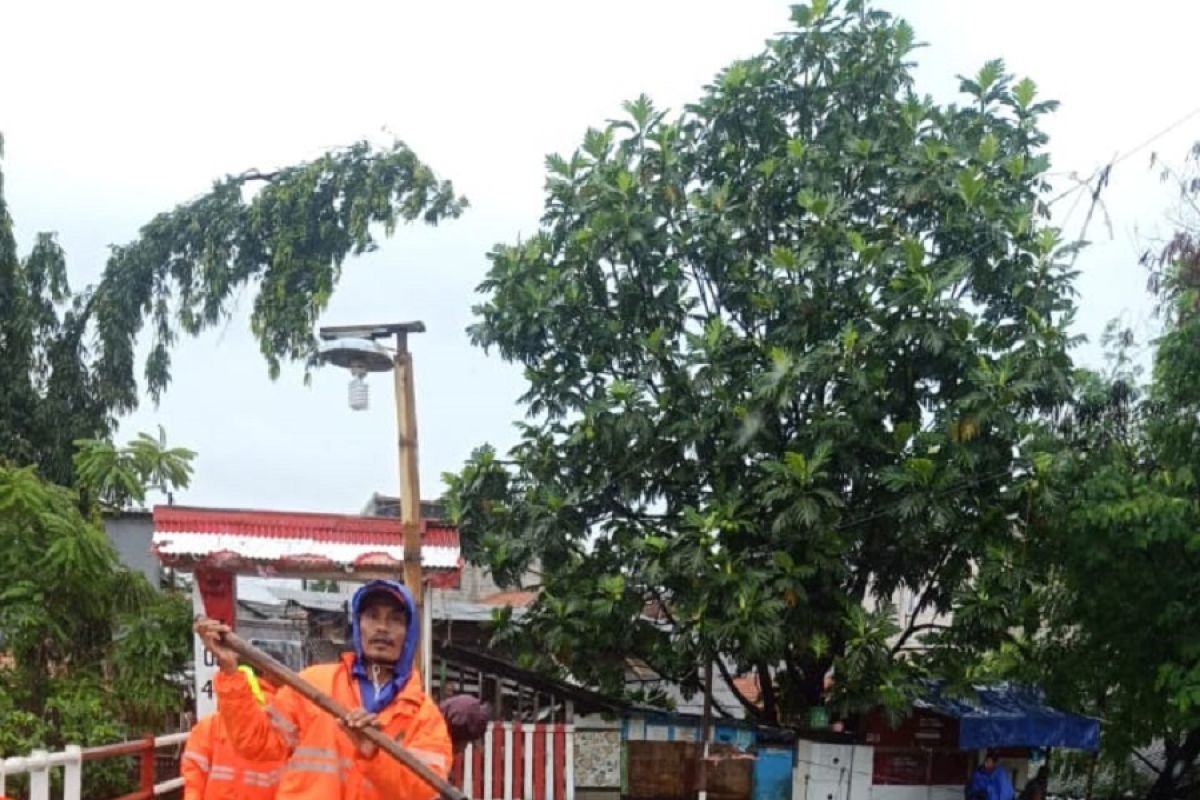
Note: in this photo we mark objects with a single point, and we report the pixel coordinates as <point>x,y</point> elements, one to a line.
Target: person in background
<point>329,759</point>
<point>466,718</point>
<point>990,782</point>
<point>212,769</point>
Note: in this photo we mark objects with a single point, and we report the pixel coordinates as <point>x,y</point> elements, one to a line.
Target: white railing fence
<point>38,765</point>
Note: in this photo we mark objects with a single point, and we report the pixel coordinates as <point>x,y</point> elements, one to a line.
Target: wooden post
<point>410,484</point>
<point>705,724</point>
<point>425,605</point>
<point>146,767</point>
<point>498,698</point>
<point>928,774</point>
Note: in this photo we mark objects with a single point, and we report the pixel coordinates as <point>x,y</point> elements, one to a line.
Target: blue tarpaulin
<point>1010,715</point>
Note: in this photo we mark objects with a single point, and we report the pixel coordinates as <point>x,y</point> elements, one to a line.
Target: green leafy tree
<point>90,647</point>
<point>1165,549</point>
<point>1123,537</point>
<point>121,476</point>
<point>1096,601</point>
<point>781,351</point>
<point>67,363</point>
<point>1097,598</point>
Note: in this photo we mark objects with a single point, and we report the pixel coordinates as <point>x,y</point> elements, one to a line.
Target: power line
<point>1120,157</point>
<point>1177,123</point>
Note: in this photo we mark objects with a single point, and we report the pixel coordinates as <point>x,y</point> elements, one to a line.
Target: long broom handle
<point>268,665</point>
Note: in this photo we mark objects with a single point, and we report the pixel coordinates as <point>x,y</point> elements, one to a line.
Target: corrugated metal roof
<point>280,538</point>
<point>318,601</point>
<point>462,611</point>
<point>516,599</point>
<point>454,610</point>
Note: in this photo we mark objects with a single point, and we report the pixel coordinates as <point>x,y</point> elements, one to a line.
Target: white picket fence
<point>519,761</point>
<point>38,764</point>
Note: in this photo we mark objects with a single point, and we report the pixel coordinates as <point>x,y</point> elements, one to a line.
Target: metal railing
<point>38,764</point>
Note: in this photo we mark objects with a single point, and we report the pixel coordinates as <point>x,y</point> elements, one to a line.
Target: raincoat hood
<point>373,700</point>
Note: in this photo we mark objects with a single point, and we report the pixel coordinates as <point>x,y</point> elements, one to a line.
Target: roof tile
<point>286,538</point>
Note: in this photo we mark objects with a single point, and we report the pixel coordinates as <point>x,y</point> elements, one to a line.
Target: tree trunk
<point>813,680</point>
<point>804,686</point>
<point>766,688</point>
<point>1180,760</point>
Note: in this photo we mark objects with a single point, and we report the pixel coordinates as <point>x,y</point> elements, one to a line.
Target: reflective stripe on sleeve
<point>428,758</point>
<point>284,725</point>
<point>197,759</point>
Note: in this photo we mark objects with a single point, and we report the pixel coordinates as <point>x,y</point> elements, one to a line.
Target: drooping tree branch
<point>292,237</point>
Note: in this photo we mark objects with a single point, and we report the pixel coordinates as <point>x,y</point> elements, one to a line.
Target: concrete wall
<point>829,771</point>
<point>475,584</point>
<point>916,792</point>
<point>846,772</point>
<point>597,755</point>
<point>131,533</point>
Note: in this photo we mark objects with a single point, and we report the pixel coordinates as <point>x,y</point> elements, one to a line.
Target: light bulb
<point>359,394</point>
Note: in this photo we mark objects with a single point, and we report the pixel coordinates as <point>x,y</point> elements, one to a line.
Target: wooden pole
<point>281,674</point>
<point>705,724</point>
<point>410,486</point>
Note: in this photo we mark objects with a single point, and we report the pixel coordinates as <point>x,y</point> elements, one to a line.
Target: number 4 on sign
<point>208,689</point>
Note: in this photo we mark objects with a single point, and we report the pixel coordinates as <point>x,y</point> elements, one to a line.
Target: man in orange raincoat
<point>212,769</point>
<point>328,758</point>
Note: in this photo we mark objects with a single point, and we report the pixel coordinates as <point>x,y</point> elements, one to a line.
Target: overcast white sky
<point>114,111</point>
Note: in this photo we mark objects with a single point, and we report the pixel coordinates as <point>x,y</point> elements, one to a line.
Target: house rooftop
<point>265,543</point>
<point>513,599</point>
<point>381,505</point>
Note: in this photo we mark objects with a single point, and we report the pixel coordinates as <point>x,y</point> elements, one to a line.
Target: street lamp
<point>356,348</point>
<point>360,356</point>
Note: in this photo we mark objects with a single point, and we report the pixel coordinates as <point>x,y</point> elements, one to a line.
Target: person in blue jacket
<point>990,782</point>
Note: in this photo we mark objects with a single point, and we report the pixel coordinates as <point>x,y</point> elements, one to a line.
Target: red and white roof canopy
<point>282,543</point>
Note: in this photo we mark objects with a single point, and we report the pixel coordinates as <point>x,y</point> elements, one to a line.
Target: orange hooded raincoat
<point>211,767</point>
<point>323,763</point>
